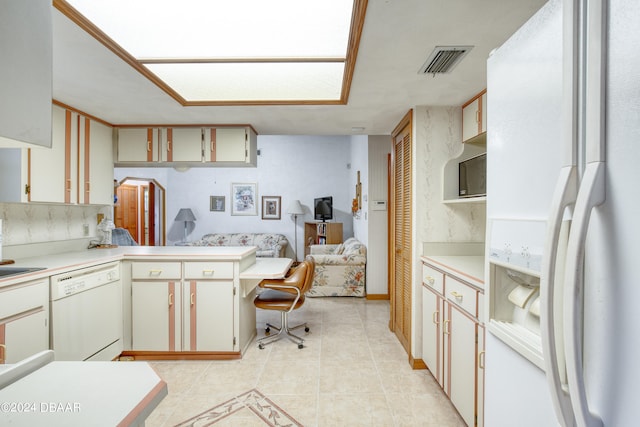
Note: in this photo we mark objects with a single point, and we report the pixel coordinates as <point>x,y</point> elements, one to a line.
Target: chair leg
<point>283,330</point>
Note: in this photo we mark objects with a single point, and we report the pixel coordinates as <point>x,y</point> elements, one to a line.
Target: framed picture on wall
<point>270,207</point>
<point>216,204</point>
<point>243,199</point>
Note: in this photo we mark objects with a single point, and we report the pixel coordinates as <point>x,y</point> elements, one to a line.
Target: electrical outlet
<point>85,229</point>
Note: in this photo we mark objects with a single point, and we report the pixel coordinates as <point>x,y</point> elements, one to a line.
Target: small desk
<point>83,394</point>
<point>264,268</point>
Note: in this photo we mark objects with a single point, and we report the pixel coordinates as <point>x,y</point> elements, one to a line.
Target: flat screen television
<point>323,208</point>
<point>472,177</point>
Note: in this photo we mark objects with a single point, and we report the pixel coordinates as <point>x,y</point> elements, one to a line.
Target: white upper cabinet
<point>137,145</point>
<point>26,73</point>
<point>474,118</point>
<point>77,169</point>
<point>184,145</point>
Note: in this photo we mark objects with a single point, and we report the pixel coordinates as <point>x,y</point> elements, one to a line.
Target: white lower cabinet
<point>154,321</point>
<point>452,342</point>
<point>24,320</point>
<point>183,306</point>
<point>208,316</point>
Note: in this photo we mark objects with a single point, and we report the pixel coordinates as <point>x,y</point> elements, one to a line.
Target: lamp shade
<point>295,208</point>
<point>185,214</point>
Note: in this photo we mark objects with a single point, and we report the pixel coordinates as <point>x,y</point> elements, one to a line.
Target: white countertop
<point>56,263</point>
<point>470,268</point>
<point>83,394</point>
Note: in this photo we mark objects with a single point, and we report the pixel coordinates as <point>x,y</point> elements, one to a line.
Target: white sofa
<point>269,244</point>
<point>340,269</point>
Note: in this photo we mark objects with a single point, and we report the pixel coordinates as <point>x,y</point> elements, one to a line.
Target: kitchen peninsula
<point>174,302</point>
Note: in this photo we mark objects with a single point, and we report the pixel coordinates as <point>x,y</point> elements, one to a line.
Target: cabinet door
<point>461,331</point>
<point>137,145</point>
<point>208,322</point>
<point>24,317</point>
<point>230,144</point>
<point>98,163</point>
<point>24,336</point>
<point>49,168</point>
<point>155,323</point>
<point>470,118</point>
<point>184,145</point>
<point>432,333</point>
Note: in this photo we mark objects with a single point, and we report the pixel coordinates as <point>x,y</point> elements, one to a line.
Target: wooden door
<point>126,210</point>
<point>401,246</point>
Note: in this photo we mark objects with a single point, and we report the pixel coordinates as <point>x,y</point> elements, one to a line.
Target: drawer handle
<point>430,280</point>
<point>171,299</point>
<point>481,360</point>
<point>193,301</point>
<point>4,352</point>
<point>435,317</point>
<point>208,272</point>
<point>446,327</point>
<point>155,272</point>
<point>457,295</point>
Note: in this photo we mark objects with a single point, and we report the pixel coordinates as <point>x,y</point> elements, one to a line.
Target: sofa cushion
<point>268,244</point>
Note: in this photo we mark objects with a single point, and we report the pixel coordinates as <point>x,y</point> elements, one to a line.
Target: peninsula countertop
<point>56,263</point>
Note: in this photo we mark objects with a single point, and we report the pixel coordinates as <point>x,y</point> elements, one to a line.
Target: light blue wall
<point>292,167</point>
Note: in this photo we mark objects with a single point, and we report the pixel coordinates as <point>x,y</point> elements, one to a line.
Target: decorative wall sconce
<point>356,204</point>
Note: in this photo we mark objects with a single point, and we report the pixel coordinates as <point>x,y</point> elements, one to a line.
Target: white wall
<point>377,188</point>
<point>292,167</point>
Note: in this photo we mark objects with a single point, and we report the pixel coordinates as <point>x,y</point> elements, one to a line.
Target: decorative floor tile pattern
<point>351,372</point>
<point>253,401</point>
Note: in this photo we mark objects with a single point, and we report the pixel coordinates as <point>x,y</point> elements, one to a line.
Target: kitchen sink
<point>13,271</point>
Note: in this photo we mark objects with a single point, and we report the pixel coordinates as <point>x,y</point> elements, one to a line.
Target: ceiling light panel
<point>244,82</point>
<point>156,29</point>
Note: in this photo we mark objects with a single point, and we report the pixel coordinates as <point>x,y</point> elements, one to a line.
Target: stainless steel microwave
<point>472,177</point>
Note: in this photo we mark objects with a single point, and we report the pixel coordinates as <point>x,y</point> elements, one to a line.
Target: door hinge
<point>27,189</point>
<point>234,341</point>
<point>234,291</point>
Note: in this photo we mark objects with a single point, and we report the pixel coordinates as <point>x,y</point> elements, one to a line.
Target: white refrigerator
<point>563,187</point>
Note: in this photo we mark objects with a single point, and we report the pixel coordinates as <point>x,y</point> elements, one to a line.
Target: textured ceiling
<point>397,38</point>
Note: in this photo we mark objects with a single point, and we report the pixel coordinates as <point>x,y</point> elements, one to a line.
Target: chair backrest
<point>311,269</point>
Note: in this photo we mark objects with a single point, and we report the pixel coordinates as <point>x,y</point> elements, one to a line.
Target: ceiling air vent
<point>443,59</point>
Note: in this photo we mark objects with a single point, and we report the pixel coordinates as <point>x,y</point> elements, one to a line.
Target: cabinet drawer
<point>462,295</point>
<point>23,298</point>
<point>208,270</point>
<point>155,270</point>
<point>433,278</point>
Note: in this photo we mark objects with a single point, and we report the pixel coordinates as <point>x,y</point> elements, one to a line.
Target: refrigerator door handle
<point>563,196</point>
<point>590,195</point>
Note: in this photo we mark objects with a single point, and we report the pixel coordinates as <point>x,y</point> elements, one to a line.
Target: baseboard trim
<point>178,355</point>
<point>374,297</point>
<point>417,363</point>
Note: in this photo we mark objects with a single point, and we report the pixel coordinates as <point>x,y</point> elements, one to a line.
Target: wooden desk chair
<point>285,295</point>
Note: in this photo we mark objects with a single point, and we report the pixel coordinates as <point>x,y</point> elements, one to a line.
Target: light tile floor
<point>352,372</point>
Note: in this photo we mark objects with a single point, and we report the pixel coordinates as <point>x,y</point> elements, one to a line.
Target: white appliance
<point>86,313</point>
<point>562,150</point>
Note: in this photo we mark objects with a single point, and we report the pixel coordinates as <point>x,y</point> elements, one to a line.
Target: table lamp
<point>185,215</point>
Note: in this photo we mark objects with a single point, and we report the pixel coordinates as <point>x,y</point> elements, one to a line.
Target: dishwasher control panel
<point>73,282</point>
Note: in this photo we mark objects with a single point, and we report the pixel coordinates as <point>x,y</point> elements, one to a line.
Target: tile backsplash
<point>28,223</point>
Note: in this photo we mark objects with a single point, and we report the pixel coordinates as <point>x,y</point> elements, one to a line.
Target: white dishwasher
<point>86,313</point>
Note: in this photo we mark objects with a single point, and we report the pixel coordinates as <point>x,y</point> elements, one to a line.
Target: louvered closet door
<point>401,294</point>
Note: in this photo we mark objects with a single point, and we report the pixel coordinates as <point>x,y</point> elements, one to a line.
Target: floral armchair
<point>269,244</point>
<point>340,269</point>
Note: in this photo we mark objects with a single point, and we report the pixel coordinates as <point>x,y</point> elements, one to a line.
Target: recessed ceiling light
<point>356,129</point>
<point>238,52</point>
